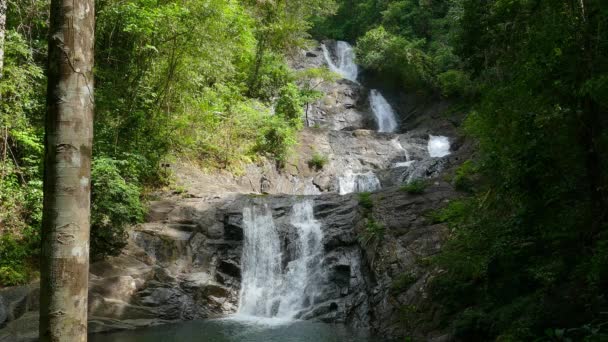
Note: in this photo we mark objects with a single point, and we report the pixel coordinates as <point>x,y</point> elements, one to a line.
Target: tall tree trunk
<point>68,141</point>
<point>2,34</point>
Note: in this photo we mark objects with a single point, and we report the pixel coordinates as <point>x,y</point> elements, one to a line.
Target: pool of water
<point>239,329</point>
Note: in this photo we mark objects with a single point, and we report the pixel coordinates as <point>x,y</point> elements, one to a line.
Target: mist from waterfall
<point>358,182</point>
<point>383,112</point>
<point>345,66</point>
<point>268,290</point>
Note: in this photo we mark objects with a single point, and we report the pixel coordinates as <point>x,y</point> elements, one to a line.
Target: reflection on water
<point>241,329</point>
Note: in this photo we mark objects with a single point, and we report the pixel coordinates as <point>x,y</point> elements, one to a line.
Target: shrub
<point>415,187</point>
<point>290,105</point>
<point>365,200</point>
<point>403,282</point>
<point>276,139</point>
<point>317,161</point>
<point>14,254</point>
<point>454,83</point>
<point>115,205</point>
<point>373,234</point>
<point>462,179</point>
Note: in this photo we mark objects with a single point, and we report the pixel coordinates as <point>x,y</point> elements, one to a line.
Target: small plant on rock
<point>415,187</point>
<point>403,282</point>
<point>318,161</point>
<point>365,200</point>
<point>373,234</point>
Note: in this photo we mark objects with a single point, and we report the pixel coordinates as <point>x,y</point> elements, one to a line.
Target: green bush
<point>415,187</point>
<point>317,161</point>
<point>462,179</point>
<point>275,139</point>
<point>454,83</point>
<point>373,233</point>
<point>115,205</point>
<point>403,282</point>
<point>399,56</point>
<point>14,256</point>
<point>290,104</point>
<point>10,276</point>
<point>365,200</point>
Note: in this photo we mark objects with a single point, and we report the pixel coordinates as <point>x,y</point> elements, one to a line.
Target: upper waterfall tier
<point>345,65</point>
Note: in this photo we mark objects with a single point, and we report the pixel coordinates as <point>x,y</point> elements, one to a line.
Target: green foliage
<point>373,233</point>
<point>365,201</point>
<point>20,154</point>
<point>276,139</point>
<point>403,282</point>
<point>318,161</point>
<point>406,41</point>
<point>290,105</point>
<point>463,180</point>
<point>115,205</point>
<point>415,187</point>
<point>382,51</point>
<point>534,231</point>
<point>454,83</point>
<point>15,256</point>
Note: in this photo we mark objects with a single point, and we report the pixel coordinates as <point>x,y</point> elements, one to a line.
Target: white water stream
<point>383,112</point>
<point>345,65</point>
<point>268,290</point>
<point>357,182</point>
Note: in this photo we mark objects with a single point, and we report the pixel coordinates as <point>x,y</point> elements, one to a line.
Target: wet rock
<point>23,329</point>
<point>230,267</point>
<point>3,311</point>
<point>233,227</point>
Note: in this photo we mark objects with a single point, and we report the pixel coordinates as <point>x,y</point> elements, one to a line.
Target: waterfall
<point>385,116</point>
<point>357,182</point>
<point>438,146</point>
<point>267,290</point>
<point>261,263</point>
<point>303,274</point>
<point>346,66</point>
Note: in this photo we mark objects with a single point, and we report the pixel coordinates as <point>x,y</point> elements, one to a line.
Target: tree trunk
<point>68,142</point>
<point>2,33</point>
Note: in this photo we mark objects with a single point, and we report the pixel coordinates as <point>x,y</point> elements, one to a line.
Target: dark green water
<point>231,330</point>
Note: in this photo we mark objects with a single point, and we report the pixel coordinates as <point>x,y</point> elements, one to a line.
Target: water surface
<point>241,330</point>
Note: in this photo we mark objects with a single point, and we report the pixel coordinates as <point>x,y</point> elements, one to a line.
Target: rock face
<point>186,263</point>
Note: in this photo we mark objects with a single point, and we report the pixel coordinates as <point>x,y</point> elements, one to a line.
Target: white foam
<point>439,146</point>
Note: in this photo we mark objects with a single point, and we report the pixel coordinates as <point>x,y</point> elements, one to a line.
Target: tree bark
<point>68,142</point>
<point>2,33</point>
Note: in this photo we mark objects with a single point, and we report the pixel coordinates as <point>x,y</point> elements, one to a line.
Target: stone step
<point>185,227</point>
<point>159,210</point>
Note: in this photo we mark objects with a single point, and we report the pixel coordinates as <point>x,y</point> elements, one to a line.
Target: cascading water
<point>385,116</point>
<point>438,146</point>
<point>267,290</point>
<point>261,262</point>
<point>300,283</point>
<point>357,182</point>
<point>346,66</point>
